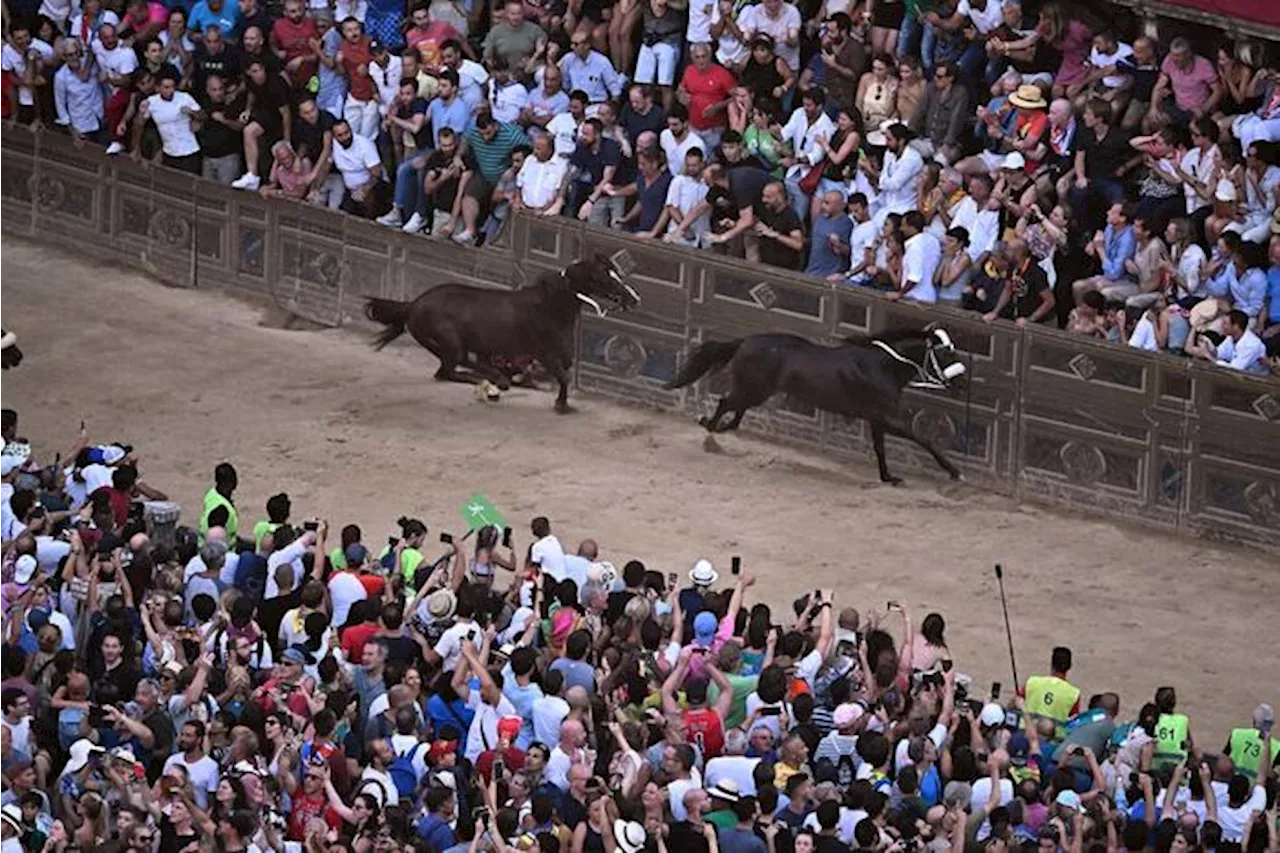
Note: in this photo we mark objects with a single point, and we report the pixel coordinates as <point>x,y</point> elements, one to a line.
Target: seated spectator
<point>1107,76</point>
<point>678,139</point>
<point>899,177</point>
<point>877,94</point>
<point>1026,296</point>
<point>355,157</point>
<point>544,103</point>
<point>1100,157</point>
<point>781,22</point>
<point>1151,331</point>
<point>1091,317</point>
<point>491,144</point>
<point>1019,127</point>
<point>507,95</point>
<point>661,38</point>
<point>838,66</point>
<point>564,127</point>
<point>688,216</point>
<point>1187,88</point>
<point>1261,190</point>
<point>1262,124</point>
<point>940,117</point>
<point>1239,347</point>
<point>1142,70</point>
<point>448,170</point>
<point>542,180</point>
<point>640,115</point>
<point>1113,248</point>
<point>291,176</point>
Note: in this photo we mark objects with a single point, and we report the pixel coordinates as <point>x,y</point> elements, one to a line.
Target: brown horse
<point>456,321</point>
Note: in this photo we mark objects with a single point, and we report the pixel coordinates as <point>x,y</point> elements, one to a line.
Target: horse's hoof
<point>957,477</point>
<point>504,385</point>
<point>563,408</point>
<point>892,481</point>
<point>704,422</point>
<point>710,445</point>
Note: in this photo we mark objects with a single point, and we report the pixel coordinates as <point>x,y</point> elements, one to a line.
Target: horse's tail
<point>390,313</point>
<point>707,357</point>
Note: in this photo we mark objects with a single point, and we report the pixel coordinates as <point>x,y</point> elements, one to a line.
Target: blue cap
<point>704,626</point>
<point>1019,749</point>
<point>355,554</point>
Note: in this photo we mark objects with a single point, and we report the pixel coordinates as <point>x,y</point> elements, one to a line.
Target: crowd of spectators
<point>1008,160</point>
<point>273,683</point>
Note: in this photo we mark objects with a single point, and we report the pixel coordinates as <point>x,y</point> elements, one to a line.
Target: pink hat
<point>562,624</point>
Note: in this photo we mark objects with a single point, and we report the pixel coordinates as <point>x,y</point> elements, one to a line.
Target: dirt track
<point>192,379</point>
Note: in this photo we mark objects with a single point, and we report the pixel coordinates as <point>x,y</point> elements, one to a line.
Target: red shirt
<point>513,758</point>
<point>295,41</point>
<point>1031,125</point>
<point>428,41</point>
<point>706,88</point>
<point>359,83</point>
<point>354,638</point>
<point>704,727</point>
<point>119,505</point>
<point>304,809</point>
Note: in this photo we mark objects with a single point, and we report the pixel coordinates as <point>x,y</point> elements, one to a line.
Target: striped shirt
<point>494,157</point>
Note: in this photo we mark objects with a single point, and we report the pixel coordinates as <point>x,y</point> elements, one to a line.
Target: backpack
<point>251,576</point>
<point>402,773</point>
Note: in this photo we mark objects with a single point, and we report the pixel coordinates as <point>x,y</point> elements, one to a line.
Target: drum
<point>162,520</point>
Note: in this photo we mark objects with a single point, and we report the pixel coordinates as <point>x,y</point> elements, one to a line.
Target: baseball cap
<point>509,727</point>
<point>37,618</point>
<point>355,554</point>
<point>298,655</point>
<point>79,754</point>
<point>1068,800</point>
<point>847,714</point>
<point>704,627</point>
<point>1019,749</point>
<point>992,715</point>
<point>440,749</point>
<point>24,569</point>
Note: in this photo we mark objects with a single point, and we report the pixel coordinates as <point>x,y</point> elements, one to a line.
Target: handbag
<point>809,183</point>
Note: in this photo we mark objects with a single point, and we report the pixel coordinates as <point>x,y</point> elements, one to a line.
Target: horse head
<point>599,282</point>
<point>942,364</point>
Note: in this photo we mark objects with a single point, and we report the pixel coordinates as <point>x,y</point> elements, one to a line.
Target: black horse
<point>10,355</point>
<point>456,321</point>
<point>861,378</point>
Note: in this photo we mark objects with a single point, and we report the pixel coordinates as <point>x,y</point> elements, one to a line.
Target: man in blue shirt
<point>590,71</point>
<point>447,109</point>
<point>829,248</point>
<point>223,14</point>
<point>1112,247</point>
<point>650,190</point>
<point>595,163</point>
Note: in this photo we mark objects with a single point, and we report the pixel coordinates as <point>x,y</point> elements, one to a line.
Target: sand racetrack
<point>192,379</point>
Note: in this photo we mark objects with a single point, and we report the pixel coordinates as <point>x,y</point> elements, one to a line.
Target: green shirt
<point>743,686</point>
<point>212,500</point>
<point>338,559</point>
<point>260,530</point>
<point>410,559</point>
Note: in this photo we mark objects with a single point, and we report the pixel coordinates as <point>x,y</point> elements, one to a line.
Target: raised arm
<point>673,681</point>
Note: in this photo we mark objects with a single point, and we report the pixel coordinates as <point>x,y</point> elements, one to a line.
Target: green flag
<point>477,512</point>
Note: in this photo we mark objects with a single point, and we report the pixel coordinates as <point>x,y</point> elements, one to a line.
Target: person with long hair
<point>877,96</point>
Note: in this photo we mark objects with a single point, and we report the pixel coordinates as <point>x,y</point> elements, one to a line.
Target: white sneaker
<point>464,237</point>
<point>115,148</point>
<point>391,220</point>
<point>415,224</point>
<point>247,181</point>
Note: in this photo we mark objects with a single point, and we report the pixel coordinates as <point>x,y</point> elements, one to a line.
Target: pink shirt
<point>1191,88</point>
<point>293,183</point>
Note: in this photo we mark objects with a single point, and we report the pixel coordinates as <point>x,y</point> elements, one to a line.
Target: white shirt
<point>20,735</point>
<point>356,160</point>
<point>684,194</point>
<point>754,19</point>
<point>387,80</point>
<point>483,734</point>
<point>1098,59</point>
<point>564,130</point>
<point>1144,334</point>
<point>729,51</point>
<point>292,553</point>
<point>471,80</point>
<point>983,225</point>
<point>1244,354</point>
<point>11,60</point>
<point>901,757</point>
<point>920,258</point>
<point>984,20</point>
<point>107,17</point>
<point>701,14</point>
<point>864,236</point>
<point>804,137</point>
<point>345,590</point>
<point>119,60</point>
<point>173,121</point>
<point>548,553</point>
<point>982,791</point>
<point>449,646</point>
<point>575,568</point>
<point>676,150</point>
<point>506,102</point>
<point>1233,821</point>
<point>1191,262</point>
<point>1200,165</point>
<point>203,773</point>
<point>540,182</point>
<point>899,180</point>
<point>739,768</point>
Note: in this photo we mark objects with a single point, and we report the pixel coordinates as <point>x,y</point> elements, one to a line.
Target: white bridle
<point>600,310</point>
<point>931,375</point>
<point>8,339</point>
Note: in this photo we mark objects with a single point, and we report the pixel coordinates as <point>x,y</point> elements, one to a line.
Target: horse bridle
<point>600,310</point>
<point>930,376</point>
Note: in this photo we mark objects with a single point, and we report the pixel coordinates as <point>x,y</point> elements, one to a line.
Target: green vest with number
<point>1246,751</point>
<point>1171,739</point>
<point>1051,697</point>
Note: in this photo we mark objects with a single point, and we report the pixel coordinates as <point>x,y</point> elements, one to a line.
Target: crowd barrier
<point>1044,416</point>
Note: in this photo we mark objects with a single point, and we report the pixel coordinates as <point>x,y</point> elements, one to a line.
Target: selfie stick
<point>1008,632</point>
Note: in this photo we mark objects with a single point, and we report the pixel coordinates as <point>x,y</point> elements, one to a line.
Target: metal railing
<point>1046,416</point>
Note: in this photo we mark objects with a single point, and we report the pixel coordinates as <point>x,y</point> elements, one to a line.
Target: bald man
<point>832,227</point>
<point>569,751</point>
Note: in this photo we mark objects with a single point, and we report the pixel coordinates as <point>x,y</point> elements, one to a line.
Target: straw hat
<point>1028,97</point>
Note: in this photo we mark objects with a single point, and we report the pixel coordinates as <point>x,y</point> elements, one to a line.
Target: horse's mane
<point>889,336</point>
